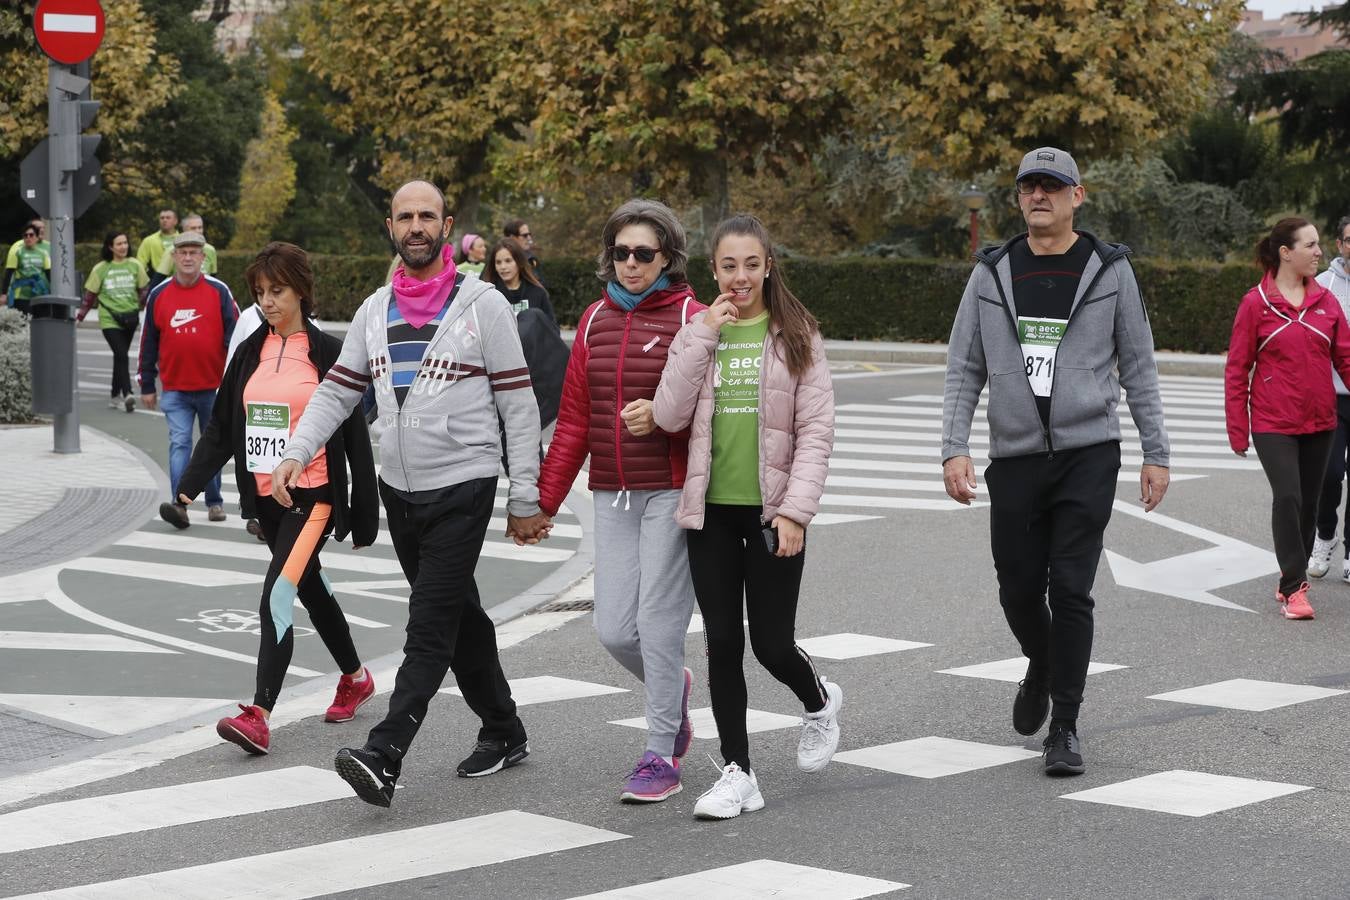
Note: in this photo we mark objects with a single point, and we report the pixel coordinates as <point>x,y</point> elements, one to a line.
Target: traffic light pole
<point>63,87</point>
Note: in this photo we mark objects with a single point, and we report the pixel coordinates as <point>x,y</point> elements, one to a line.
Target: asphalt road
<point>1236,790</point>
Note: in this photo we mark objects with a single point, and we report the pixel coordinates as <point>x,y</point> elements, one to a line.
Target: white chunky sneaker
<point>1345,571</point>
<point>734,793</point>
<point>820,731</point>
<point>1320,560</point>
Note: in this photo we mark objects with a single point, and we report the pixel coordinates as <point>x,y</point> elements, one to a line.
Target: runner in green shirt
<point>192,223</point>
<point>26,271</point>
<point>118,285</point>
<point>157,247</point>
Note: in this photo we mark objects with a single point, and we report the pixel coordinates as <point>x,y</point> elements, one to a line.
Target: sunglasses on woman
<point>619,253</point>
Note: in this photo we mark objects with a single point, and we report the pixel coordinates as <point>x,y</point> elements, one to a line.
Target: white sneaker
<point>1345,571</point>
<point>734,793</point>
<point>1320,561</point>
<point>820,731</point>
<point>114,403</point>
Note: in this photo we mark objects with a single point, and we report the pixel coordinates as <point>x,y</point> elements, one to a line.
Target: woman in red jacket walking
<point>1288,332</point>
<point>643,596</point>
<point>750,376</point>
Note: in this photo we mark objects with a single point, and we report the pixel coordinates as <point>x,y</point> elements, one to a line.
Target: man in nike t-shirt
<point>188,322</point>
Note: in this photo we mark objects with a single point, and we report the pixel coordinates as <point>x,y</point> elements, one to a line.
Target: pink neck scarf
<point>419,301</point>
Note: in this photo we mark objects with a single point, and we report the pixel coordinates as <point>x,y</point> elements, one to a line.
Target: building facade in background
<point>1289,35</point>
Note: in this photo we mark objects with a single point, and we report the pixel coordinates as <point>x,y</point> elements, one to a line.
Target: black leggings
<point>1327,505</point>
<point>119,342</point>
<point>295,537</point>
<point>1295,465</point>
<point>728,560</point>
<point>1047,515</point>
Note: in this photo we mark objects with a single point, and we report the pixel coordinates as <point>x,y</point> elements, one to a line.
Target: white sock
<point>357,679</point>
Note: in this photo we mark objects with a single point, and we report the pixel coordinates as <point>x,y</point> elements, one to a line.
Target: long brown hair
<point>512,246</point>
<point>785,310</point>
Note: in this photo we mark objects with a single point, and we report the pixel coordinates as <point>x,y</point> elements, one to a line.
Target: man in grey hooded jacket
<point>1046,321</point>
<point>442,351</point>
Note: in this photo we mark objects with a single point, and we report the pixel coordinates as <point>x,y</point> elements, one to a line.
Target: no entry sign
<point>69,31</point>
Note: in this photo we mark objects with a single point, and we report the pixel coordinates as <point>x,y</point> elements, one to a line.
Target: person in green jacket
<point>118,285</point>
<point>12,258</point>
<point>156,249</point>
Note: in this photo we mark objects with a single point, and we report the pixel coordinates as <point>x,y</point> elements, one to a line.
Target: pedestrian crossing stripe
<point>92,642</point>
<point>357,863</point>
<point>110,715</point>
<point>132,812</point>
<point>760,878</point>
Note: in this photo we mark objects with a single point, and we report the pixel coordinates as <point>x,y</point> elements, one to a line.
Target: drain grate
<point>568,606</point>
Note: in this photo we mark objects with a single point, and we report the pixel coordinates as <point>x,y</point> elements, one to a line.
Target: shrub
<point>16,378</point>
<point>1191,305</point>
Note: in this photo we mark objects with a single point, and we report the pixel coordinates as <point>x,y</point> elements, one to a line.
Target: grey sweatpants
<point>644,598</point>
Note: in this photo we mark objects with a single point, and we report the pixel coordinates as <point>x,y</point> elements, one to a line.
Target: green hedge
<point>864,298</point>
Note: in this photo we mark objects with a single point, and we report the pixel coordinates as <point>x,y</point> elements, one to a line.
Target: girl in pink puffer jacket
<point>750,380</point>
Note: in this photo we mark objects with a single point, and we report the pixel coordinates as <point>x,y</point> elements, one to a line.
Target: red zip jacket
<point>617,357</point>
<point>1292,350</point>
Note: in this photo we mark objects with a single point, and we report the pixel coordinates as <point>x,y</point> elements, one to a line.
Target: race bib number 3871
<point>266,430</point>
<point>1040,341</point>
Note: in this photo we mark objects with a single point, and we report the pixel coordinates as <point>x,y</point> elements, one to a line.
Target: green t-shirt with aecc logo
<point>118,286</point>
<point>733,478</point>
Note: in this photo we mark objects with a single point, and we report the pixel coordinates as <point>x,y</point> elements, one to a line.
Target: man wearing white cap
<point>1046,320</point>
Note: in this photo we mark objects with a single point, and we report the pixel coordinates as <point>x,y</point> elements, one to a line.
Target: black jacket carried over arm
<point>349,447</point>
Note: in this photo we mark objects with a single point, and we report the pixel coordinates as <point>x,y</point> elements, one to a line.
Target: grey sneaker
<point>1063,752</point>
<point>216,514</point>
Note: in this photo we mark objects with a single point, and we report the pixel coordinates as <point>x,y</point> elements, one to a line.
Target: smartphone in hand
<point>770,535</point>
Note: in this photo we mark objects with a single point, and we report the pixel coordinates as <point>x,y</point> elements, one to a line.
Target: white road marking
<point>1184,793</point>
<point>756,880</point>
<point>71,640</point>
<point>934,757</point>
<point>133,812</point>
<point>357,863</point>
<point>109,714</point>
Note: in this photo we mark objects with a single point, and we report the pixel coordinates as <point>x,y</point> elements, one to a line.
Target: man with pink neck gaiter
<point>442,351</point>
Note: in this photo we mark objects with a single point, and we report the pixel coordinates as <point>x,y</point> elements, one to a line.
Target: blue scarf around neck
<point>628,300</point>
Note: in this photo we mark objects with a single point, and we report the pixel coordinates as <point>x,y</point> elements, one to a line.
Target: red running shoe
<point>350,696</point>
<point>248,730</point>
<point>1296,605</point>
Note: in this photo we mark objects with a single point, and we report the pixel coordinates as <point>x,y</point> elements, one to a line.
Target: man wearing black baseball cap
<point>1046,320</point>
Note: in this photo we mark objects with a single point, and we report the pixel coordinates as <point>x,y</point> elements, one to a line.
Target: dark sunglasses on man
<point>1047,183</point>
<point>619,253</point>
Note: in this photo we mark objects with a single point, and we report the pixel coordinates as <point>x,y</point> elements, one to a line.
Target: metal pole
<point>64,146</point>
<point>974,232</point>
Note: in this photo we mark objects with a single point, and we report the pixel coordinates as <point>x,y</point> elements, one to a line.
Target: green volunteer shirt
<point>12,258</point>
<point>118,286</point>
<point>154,248</point>
<point>208,261</point>
<point>734,476</point>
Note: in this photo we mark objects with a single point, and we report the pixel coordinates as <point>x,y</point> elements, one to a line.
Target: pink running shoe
<point>350,696</point>
<point>1296,605</point>
<point>686,732</point>
<point>652,781</point>
<point>248,730</point>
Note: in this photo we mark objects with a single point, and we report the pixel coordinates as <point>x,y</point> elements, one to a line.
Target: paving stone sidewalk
<point>59,506</point>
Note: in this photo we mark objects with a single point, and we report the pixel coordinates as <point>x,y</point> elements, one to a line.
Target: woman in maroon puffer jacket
<point>643,595</point>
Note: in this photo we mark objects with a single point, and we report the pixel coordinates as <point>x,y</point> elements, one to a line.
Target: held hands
<point>284,477</point>
<point>528,529</point>
<point>1153,481</point>
<point>791,536</point>
<point>722,311</point>
<point>638,417</point>
<point>958,475</point>
<point>149,401</point>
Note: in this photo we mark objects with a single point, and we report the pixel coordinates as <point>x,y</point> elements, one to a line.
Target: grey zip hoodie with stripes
<point>1107,332</point>
<point>446,432</point>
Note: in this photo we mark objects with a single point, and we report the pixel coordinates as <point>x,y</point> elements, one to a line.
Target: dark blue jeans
<point>180,409</point>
